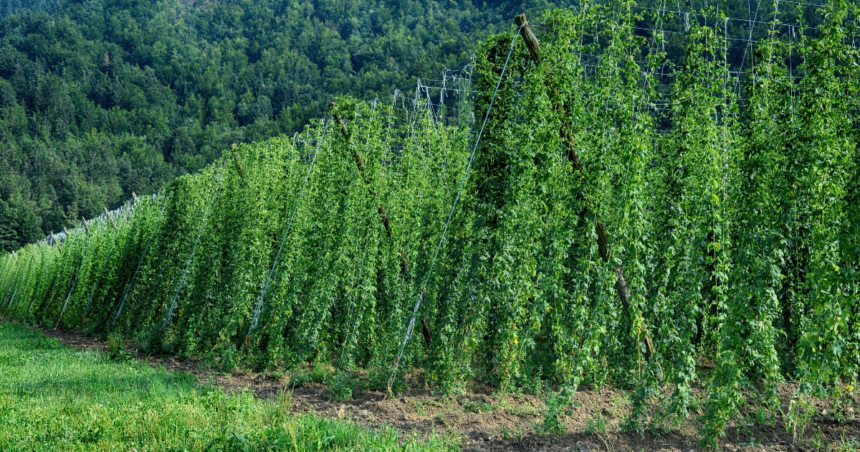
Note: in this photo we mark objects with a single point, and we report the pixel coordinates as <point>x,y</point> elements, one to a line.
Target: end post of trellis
<point>528,36</point>
<point>337,117</point>
<point>238,161</point>
<point>385,221</point>
<point>54,239</point>
<point>109,218</point>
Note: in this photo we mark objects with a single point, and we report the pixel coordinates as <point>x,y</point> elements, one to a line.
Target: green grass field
<point>56,398</point>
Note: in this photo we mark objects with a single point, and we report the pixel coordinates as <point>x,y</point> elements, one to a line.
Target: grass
<point>56,398</point>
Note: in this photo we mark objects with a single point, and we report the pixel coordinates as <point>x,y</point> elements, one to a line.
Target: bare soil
<point>488,421</point>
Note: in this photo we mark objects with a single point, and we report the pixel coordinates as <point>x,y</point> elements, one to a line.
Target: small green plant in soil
<point>846,445</point>
<point>522,411</point>
<point>422,406</point>
<point>557,406</point>
<point>229,360</point>
<point>299,378</point>
<point>341,386</point>
<point>116,349</point>
<point>800,413</point>
<point>518,435</point>
<point>319,374</point>
<point>477,407</point>
<point>595,424</point>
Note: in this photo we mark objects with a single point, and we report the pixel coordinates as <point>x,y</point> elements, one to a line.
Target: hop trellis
<point>623,219</point>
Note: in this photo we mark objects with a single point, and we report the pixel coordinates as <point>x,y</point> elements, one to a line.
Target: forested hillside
<point>99,99</point>
<point>103,98</point>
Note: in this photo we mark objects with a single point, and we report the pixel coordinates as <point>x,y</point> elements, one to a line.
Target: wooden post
<point>54,239</point>
<point>621,285</point>
<point>359,162</point>
<point>385,221</point>
<point>602,241</point>
<point>534,49</point>
<point>86,225</point>
<point>109,218</point>
<point>238,162</point>
<point>426,331</point>
<point>343,130</point>
<point>404,265</point>
<point>528,37</point>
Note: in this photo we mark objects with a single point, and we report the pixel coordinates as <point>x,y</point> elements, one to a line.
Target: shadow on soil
<point>494,422</point>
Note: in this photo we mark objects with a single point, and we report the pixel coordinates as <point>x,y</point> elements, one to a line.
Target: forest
<point>101,99</point>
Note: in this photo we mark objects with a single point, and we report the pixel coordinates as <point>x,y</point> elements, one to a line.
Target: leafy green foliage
<point>116,347</point>
<point>341,386</point>
<point>588,247</point>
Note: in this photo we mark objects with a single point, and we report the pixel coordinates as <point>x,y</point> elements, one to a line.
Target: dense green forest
<point>103,98</point>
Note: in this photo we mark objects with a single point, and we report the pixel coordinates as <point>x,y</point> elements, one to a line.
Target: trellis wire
<point>56,278</point>
<point>14,307</point>
<point>101,273</point>
<point>354,286</point>
<point>20,280</point>
<point>131,283</point>
<point>74,282</point>
<point>14,272</point>
<point>5,265</point>
<point>196,242</point>
<point>411,327</point>
<point>39,283</point>
<point>284,238</point>
<point>749,43</point>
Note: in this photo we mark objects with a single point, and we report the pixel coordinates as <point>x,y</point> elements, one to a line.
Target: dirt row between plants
<point>486,421</point>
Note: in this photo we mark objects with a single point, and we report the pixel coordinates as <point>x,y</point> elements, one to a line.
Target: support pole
<point>194,248</point>
<point>39,284</point>
<point>14,308</point>
<point>12,274</point>
<point>113,225</point>
<point>47,301</point>
<point>383,214</point>
<point>104,265</point>
<point>528,36</point>
<point>20,281</point>
<point>131,283</point>
<point>621,285</point>
<point>77,274</point>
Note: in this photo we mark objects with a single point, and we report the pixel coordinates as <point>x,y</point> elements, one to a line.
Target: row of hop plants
<point>337,224</point>
<point>586,245</point>
<point>611,252</point>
